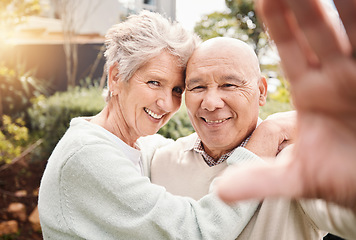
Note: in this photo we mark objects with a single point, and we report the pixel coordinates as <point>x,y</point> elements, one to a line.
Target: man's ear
<point>113,78</point>
<point>262,85</point>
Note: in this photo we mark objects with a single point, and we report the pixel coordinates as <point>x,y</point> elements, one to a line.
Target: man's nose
<point>212,100</point>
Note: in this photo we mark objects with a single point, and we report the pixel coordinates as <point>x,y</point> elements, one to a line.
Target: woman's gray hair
<point>141,37</point>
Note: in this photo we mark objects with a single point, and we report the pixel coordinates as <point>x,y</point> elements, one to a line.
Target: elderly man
<point>224,89</point>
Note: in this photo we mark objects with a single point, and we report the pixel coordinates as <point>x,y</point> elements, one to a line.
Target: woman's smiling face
<point>151,96</point>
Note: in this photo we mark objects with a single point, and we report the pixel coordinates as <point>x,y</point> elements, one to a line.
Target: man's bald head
<point>232,49</point>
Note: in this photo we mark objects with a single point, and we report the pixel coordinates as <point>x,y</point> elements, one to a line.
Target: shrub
<point>17,87</point>
<point>178,126</point>
<point>282,94</point>
<point>273,106</point>
<point>50,117</point>
<point>13,138</point>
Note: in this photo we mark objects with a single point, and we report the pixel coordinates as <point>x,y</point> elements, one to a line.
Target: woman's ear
<point>113,78</point>
<point>262,85</point>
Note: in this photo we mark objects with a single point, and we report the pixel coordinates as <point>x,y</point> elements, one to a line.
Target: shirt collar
<point>199,148</point>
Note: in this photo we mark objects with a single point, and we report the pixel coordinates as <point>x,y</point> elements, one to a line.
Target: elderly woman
<point>93,186</point>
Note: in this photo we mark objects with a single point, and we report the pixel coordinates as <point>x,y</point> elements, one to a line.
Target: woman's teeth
<point>152,114</point>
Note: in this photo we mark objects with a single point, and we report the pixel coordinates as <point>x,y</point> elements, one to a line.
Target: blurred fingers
<point>318,28</point>
<point>283,29</point>
<point>347,11</point>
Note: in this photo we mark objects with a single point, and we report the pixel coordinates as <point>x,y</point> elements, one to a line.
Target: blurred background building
<point>64,43</point>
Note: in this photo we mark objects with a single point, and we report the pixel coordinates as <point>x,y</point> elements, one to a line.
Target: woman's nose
<point>168,103</point>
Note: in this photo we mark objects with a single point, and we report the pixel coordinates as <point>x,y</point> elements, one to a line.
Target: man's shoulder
<point>174,151</point>
<point>173,161</point>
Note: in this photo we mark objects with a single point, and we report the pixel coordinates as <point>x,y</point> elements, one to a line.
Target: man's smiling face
<point>223,93</point>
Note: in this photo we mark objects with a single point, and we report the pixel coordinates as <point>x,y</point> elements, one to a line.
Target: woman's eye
<point>178,90</point>
<point>154,83</point>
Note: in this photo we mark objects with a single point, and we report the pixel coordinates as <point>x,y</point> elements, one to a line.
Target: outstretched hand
<point>318,59</point>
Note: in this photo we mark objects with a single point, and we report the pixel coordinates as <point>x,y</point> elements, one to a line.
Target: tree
<point>239,22</point>
<point>68,11</point>
<point>245,14</point>
<point>216,25</point>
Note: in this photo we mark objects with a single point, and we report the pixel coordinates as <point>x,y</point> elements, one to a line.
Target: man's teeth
<point>152,114</point>
<point>216,121</point>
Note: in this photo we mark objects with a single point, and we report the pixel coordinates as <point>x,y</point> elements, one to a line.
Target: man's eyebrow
<point>234,78</point>
<point>192,81</point>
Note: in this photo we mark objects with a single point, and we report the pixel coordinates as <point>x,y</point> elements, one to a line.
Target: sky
<point>190,11</point>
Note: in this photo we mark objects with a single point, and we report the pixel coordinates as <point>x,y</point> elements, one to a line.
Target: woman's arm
<point>104,197</point>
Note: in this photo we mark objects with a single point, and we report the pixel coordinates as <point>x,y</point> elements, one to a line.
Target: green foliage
<point>13,138</point>
<point>178,126</point>
<point>278,101</point>
<point>248,23</point>
<point>240,22</point>
<point>273,106</point>
<point>50,117</point>
<point>17,87</point>
<point>282,94</point>
<point>216,25</point>
<point>13,12</point>
<point>244,11</point>
<point>12,236</point>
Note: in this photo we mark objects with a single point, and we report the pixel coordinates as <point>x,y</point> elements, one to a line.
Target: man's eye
<point>178,91</point>
<point>154,83</point>
<point>228,85</point>
<point>196,88</point>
